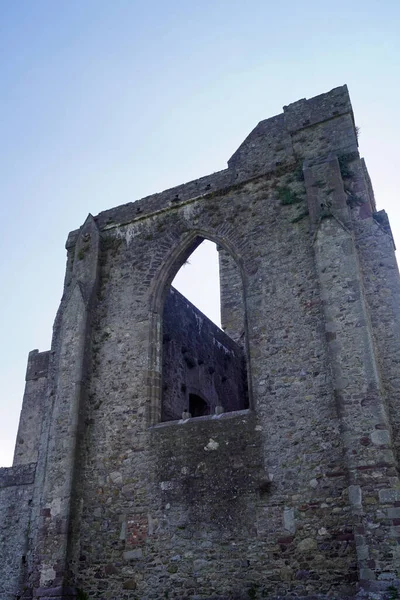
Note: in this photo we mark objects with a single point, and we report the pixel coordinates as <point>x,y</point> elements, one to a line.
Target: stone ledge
<point>58,593</point>
<point>17,475</point>
<point>238,414</point>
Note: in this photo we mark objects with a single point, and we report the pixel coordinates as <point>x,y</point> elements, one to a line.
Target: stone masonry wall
<point>382,286</point>
<point>302,537</point>
<point>296,496</point>
<point>231,293</point>
<point>198,358</point>
<point>16,491</point>
<point>27,444</point>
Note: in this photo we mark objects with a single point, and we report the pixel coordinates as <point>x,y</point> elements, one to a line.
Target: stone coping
<point>234,414</point>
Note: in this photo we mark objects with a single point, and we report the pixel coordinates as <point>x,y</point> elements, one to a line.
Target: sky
<point>105,101</point>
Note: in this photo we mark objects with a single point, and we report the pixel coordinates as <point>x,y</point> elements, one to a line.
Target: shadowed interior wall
<point>16,491</point>
<point>199,359</point>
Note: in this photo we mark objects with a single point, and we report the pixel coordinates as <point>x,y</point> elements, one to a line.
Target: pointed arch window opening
<point>204,370</point>
<point>198,280</point>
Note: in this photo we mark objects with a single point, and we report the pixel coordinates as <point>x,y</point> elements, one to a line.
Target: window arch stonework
<point>160,289</point>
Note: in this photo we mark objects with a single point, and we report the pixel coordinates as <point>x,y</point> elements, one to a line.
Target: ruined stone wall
<point>199,359</point>
<point>382,288</point>
<point>16,491</point>
<point>300,537</point>
<point>27,444</point>
<point>298,494</point>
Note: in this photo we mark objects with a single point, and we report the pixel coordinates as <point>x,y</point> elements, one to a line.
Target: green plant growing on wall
<point>82,251</point>
<point>393,592</point>
<point>111,243</point>
<point>252,591</point>
<point>287,196</point>
<point>344,160</point>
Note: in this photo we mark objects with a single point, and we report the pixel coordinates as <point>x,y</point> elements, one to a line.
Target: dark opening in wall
<point>204,369</point>
<point>197,406</point>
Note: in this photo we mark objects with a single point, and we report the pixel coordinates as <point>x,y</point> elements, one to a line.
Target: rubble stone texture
<point>287,483</point>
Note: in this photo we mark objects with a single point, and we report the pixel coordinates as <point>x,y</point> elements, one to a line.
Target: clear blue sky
<point>106,101</point>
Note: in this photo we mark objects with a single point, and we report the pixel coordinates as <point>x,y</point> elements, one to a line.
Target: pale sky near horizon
<point>104,102</point>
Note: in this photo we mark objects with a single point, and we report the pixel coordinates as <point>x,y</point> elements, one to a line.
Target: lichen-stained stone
<point>284,480</point>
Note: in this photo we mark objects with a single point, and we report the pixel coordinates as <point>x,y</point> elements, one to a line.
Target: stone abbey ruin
<point>161,457</point>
